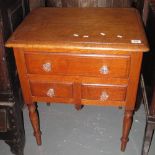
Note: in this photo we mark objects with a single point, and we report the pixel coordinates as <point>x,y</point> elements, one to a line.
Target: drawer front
<point>76,65</point>
<point>51,89</point>
<point>104,92</point>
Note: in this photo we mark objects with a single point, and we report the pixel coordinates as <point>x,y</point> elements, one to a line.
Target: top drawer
<point>78,65</point>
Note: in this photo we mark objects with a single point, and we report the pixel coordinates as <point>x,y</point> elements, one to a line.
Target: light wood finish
<point>83,65</point>
<point>81,56</point>
<point>136,59</point>
<point>35,122</point>
<point>77,95</point>
<point>60,90</point>
<point>127,122</point>
<point>59,30</point>
<point>96,92</point>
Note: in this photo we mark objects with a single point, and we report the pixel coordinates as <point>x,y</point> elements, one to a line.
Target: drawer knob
<point>47,67</point>
<point>50,93</point>
<point>104,70</point>
<point>104,96</point>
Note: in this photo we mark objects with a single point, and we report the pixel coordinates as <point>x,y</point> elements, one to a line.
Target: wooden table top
<point>81,28</point>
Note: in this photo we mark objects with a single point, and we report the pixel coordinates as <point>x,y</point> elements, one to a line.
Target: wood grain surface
<point>81,28</point>
<point>80,65</point>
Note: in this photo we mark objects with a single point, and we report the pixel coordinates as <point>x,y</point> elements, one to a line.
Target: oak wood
<point>35,122</point>
<point>136,59</point>
<point>73,41</point>
<point>58,32</point>
<point>101,103</point>
<point>80,79</point>
<point>127,122</point>
<point>112,83</point>
<point>94,92</point>
<point>83,65</point>
<point>61,90</point>
<point>77,95</point>
<point>20,62</point>
<point>53,100</point>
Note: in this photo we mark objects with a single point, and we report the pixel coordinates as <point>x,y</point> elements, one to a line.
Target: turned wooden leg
<point>78,106</point>
<point>120,107</point>
<point>35,122</point>
<point>127,122</point>
<point>147,138</point>
<point>48,104</point>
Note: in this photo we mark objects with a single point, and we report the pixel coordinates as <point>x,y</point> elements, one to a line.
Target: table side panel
<point>136,60</point>
<point>21,67</point>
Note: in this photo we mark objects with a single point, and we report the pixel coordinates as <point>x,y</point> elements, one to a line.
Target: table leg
<point>78,106</point>
<point>48,103</point>
<point>33,114</point>
<point>127,122</point>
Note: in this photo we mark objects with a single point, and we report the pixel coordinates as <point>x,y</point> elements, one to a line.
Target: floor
<point>91,131</point>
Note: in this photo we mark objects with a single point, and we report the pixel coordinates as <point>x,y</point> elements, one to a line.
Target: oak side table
<point>82,56</point>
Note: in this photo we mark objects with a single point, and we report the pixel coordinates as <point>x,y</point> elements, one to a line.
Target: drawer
<point>77,65</point>
<point>51,89</point>
<point>104,92</point>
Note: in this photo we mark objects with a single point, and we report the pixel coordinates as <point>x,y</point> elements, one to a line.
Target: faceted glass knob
<point>47,67</point>
<point>104,96</point>
<point>104,70</point>
<point>50,92</point>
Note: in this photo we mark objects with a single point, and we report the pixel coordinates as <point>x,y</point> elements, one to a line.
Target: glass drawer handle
<point>104,96</point>
<point>47,67</point>
<point>50,92</point>
<point>104,70</point>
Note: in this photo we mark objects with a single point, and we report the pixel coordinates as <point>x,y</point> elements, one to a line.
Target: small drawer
<point>77,65</point>
<point>104,92</point>
<point>51,89</point>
